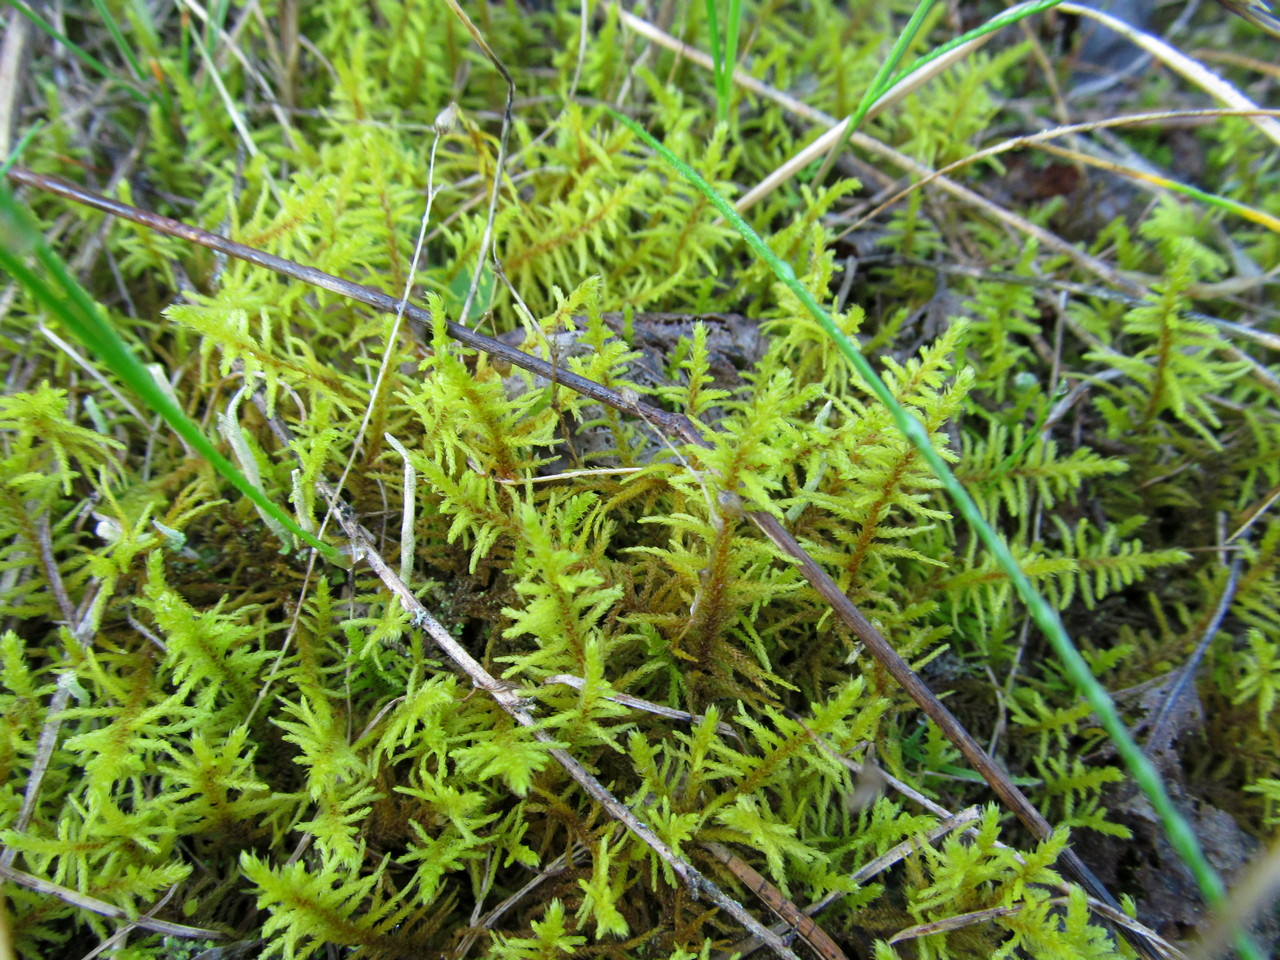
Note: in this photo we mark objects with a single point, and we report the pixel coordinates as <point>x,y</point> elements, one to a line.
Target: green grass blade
<point>724,55</point>
<point>90,61</point>
<point>886,79</point>
<point>144,28</point>
<point>21,146</point>
<point>880,83</point>
<point>1178,830</point>
<point>717,57</point>
<point>1001,20</point>
<point>117,35</point>
<point>66,299</point>
<point>732,27</point>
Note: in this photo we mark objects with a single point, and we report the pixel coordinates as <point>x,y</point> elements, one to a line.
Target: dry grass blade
<point>1257,889</point>
<point>82,630</point>
<point>1004,788</point>
<point>93,372</point>
<point>1176,60</point>
<point>557,866</point>
<point>1229,327</point>
<point>952,923</point>
<point>228,102</point>
<point>1111,912</point>
<point>743,79</point>
<point>570,474</point>
<point>444,123</point>
<point>1237,60</point>
<point>1155,181</point>
<point>1040,138</point>
<point>674,425</point>
<point>1166,726</point>
<point>120,936</point>
<point>507,110</point>
<point>910,846</point>
<point>648,706</point>
<point>13,54</point>
<point>1254,512</point>
<point>272,98</point>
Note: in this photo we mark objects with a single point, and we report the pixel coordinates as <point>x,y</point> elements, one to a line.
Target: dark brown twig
<point>889,658</point>
<point>808,930</point>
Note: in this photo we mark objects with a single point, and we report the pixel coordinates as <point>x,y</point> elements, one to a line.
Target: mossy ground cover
<point>226,733</point>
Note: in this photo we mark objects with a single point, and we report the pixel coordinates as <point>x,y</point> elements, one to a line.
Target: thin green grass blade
<point>126,50</point>
<point>21,147</point>
<point>1176,827</point>
<point>66,299</point>
<point>211,72</point>
<point>717,57</point>
<point>217,23</point>
<point>732,27</point>
<point>724,55</point>
<point>144,27</point>
<point>880,83</point>
<point>886,79</point>
<point>1226,204</point>
<point>1001,20</point>
<point>90,61</point>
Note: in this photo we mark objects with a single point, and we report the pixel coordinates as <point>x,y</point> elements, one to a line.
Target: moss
<point>279,747</point>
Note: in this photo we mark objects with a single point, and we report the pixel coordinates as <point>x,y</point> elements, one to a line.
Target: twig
<point>92,904</point>
<point>121,935</point>
<point>1160,738</point>
<point>1040,138</point>
<point>1251,515</point>
<point>956,922</point>
<point>1109,911</point>
<point>884,862</point>
<point>444,123</point>
<point>901,851</point>
<point>812,934</point>
<point>675,425</point>
<point>557,866</point>
<point>51,571</point>
<point>47,742</point>
<point>636,703</point>
<point>897,667</point>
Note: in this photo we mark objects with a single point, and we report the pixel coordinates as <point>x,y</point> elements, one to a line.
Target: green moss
<point>279,747</point>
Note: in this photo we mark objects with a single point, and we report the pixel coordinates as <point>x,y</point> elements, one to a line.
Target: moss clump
<point>274,744</point>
